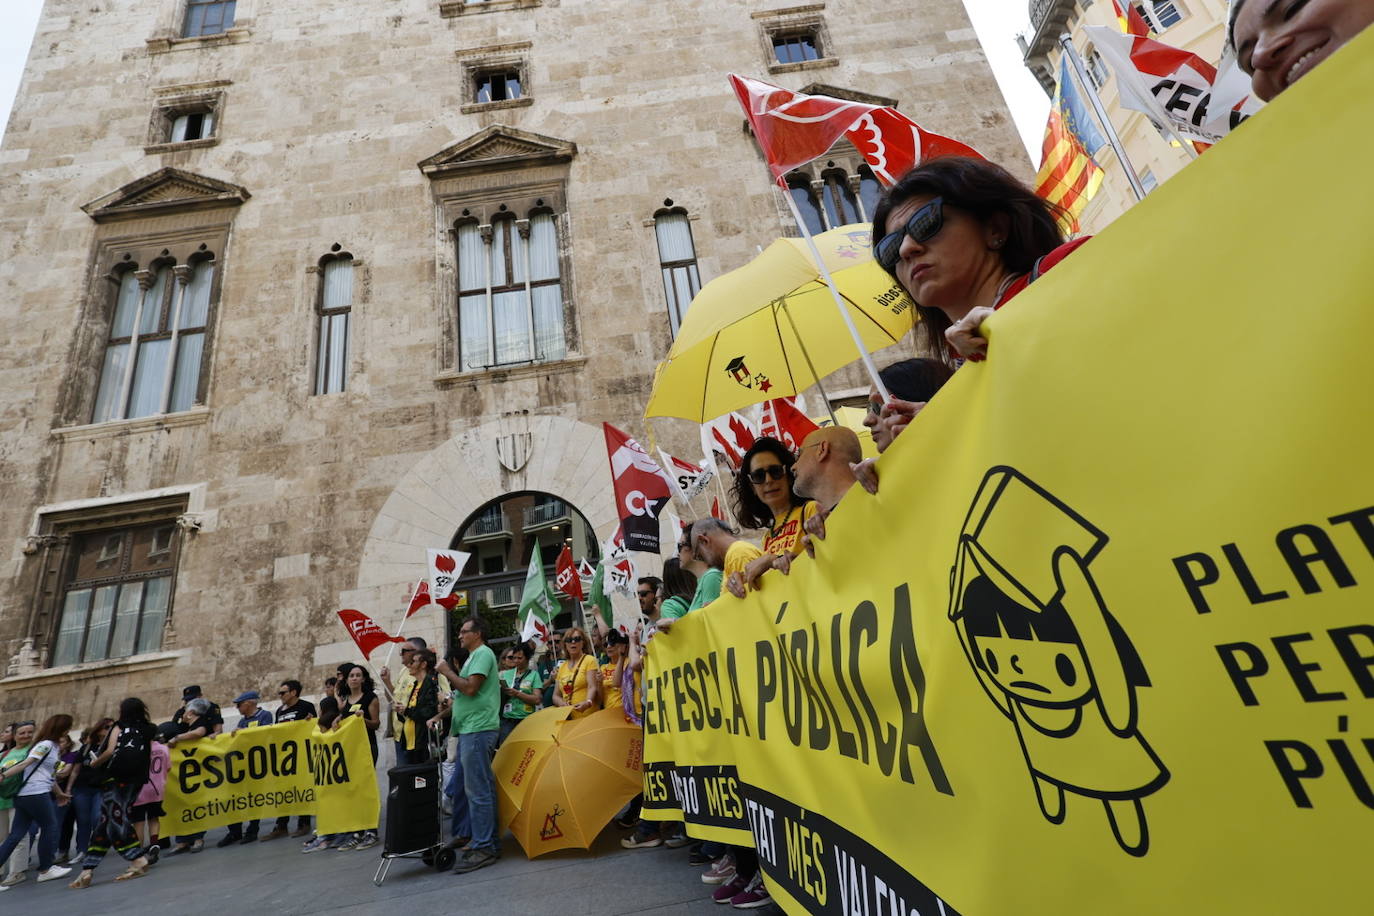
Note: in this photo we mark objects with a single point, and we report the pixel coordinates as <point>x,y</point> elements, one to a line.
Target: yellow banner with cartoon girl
<point>271,771</point>
<point>1103,643</point>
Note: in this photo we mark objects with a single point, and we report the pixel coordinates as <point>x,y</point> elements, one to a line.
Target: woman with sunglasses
<point>577,676</point>
<point>963,236</point>
<point>764,499</point>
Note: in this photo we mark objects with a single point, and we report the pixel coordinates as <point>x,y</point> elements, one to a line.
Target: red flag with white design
<point>730,435</point>
<point>715,510</point>
<point>423,598</point>
<point>365,631</point>
<point>793,128</point>
<point>687,479</point>
<point>445,566</point>
<point>1130,21</point>
<point>565,575</point>
<point>784,422</point>
<point>585,571</point>
<point>641,489</point>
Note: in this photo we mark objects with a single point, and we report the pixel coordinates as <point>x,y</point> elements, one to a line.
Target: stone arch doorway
<point>432,499</point>
<point>502,537</point>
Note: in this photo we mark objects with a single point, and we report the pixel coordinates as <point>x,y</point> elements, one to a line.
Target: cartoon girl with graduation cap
<point>1049,654</point>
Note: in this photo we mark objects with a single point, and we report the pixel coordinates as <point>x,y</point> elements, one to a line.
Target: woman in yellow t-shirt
<point>613,674</point>
<point>764,499</point>
<point>577,676</point>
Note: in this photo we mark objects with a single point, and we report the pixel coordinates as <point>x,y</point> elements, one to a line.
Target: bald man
<point>822,471</point>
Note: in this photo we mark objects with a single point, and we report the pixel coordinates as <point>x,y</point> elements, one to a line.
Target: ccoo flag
<point>641,490</point>
<point>1069,175</point>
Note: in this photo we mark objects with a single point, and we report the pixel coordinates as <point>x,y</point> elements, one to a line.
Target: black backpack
<point>132,755</point>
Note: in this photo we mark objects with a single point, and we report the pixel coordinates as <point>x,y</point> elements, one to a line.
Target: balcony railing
<point>488,524</point>
<point>536,516</point>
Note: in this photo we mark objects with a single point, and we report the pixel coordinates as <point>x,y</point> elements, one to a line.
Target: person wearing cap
<point>1278,43</point>
<point>213,721</point>
<point>250,715</point>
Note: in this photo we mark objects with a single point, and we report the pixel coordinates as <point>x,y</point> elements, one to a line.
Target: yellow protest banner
<point>272,771</point>
<point>1103,643</point>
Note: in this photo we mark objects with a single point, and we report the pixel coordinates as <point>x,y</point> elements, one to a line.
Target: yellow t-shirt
<point>572,683</point>
<point>740,555</point>
<point>786,535</point>
<point>611,690</point>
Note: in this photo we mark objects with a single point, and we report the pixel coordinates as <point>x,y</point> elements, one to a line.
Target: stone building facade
<point>292,292</point>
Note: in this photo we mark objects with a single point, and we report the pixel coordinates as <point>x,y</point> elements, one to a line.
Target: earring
<point>996,244</point>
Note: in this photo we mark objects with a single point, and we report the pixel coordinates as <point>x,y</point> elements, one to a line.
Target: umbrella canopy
<point>759,332</point>
<point>588,775</point>
<point>853,418</point>
<point>520,755</point>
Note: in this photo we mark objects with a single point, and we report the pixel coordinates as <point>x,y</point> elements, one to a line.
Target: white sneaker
<point>53,873</point>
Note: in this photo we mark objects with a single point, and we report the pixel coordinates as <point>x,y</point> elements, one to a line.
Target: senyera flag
<point>784,422</point>
<point>445,566</point>
<point>1130,21</point>
<point>423,598</point>
<point>641,490</point>
<point>565,575</point>
<point>365,631</point>
<point>793,128</point>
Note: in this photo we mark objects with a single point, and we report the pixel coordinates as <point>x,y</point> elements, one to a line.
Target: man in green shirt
<point>476,721</point>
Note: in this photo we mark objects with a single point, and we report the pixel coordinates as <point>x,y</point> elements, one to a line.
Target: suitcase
<point>412,809</point>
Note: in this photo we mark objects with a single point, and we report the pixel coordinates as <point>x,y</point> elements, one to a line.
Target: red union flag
<point>565,575</point>
<point>784,422</point>
<point>792,128</point>
<point>641,490</point>
<point>730,435</point>
<point>365,631</point>
<point>422,598</point>
<point>445,566</point>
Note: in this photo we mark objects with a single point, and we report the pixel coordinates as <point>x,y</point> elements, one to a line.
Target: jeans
<point>462,826</point>
<point>19,859</point>
<point>479,785</point>
<point>86,803</point>
<point>34,809</point>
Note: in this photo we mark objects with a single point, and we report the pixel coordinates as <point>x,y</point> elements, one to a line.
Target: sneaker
<point>298,832</point>
<point>276,833</point>
<point>754,895</point>
<point>723,870</point>
<point>179,848</point>
<point>12,880</point>
<point>228,840</point>
<point>638,842</point>
<point>316,844</point>
<point>726,892</point>
<point>53,873</point>
<point>152,853</point>
<point>369,839</point>
<point>474,859</point>
<point>697,858</point>
<point>197,846</point>
<point>348,843</point>
<point>678,840</point>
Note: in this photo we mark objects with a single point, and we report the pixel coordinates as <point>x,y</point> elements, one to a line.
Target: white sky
<point>996,21</point>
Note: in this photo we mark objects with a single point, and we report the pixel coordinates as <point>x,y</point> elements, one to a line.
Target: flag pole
<point>835,294</point>
<point>1066,43</point>
<point>828,406</point>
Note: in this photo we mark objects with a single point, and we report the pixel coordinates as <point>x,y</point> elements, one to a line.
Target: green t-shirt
<point>673,608</point>
<point>708,589</point>
<point>9,760</point>
<point>530,682</point>
<point>481,711</point>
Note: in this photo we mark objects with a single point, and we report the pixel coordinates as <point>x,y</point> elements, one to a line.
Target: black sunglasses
<point>644,594</point>
<point>572,638</point>
<point>923,226</point>
<point>772,472</point>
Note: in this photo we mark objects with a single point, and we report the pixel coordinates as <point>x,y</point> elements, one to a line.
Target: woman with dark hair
<point>125,762</point>
<point>911,384</point>
<point>421,704</point>
<point>764,498</point>
<point>963,236</point>
<point>679,586</point>
<point>358,698</point>
<point>521,688</point>
<point>83,782</point>
<point>33,798</point>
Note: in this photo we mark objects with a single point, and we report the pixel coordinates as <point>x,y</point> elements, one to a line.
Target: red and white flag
<point>687,479</point>
<point>1130,21</point>
<point>365,631</point>
<point>565,575</point>
<point>445,566</point>
<point>585,571</point>
<point>793,128</point>
<point>730,435</point>
<point>423,598</point>
<point>641,489</point>
<point>784,422</point>
<point>619,567</point>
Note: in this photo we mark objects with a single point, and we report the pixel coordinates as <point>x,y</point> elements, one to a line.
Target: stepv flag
<point>445,566</point>
<point>423,598</point>
<point>365,631</point>
<point>618,573</point>
<point>784,422</point>
<point>1130,21</point>
<point>687,479</point>
<point>641,490</point>
<point>565,575</point>
<point>538,603</point>
<point>1069,175</point>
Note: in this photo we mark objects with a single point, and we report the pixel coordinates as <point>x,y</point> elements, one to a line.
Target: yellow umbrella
<point>853,417</point>
<point>589,774</point>
<point>520,755</point>
<point>771,329</point>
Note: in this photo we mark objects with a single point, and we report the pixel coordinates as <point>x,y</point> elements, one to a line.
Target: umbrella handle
<point>825,397</point>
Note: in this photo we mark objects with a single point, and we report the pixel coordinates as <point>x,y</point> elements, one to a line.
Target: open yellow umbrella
<point>521,754</point>
<point>592,770</point>
<point>771,328</point>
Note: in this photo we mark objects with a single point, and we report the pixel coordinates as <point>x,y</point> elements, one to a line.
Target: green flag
<point>599,599</point>
<point>538,603</point>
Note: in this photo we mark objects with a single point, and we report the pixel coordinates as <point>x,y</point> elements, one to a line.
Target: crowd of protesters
<point>962,236</point>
